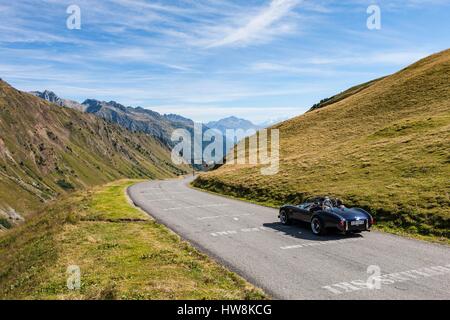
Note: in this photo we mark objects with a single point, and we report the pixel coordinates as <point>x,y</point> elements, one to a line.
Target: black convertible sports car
<point>325,213</point>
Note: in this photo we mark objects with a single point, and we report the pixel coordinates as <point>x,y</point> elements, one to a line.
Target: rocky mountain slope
<point>46,150</point>
<point>50,96</point>
<point>139,119</point>
<point>160,126</point>
<point>134,119</point>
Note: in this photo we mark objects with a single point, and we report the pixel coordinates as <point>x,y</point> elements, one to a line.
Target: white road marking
<point>156,200</point>
<point>165,193</point>
<point>234,216</point>
<point>319,243</point>
<point>177,192</point>
<point>200,206</point>
<point>387,279</point>
<point>250,230</point>
<point>223,233</point>
<point>243,230</point>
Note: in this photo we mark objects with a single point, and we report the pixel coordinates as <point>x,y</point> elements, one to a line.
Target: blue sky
<point>259,60</point>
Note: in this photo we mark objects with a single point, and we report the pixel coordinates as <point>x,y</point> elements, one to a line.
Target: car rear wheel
<point>317,226</point>
<point>284,218</point>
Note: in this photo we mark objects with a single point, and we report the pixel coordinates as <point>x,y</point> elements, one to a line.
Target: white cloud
<point>396,58</point>
<point>190,55</point>
<point>287,68</point>
<point>137,54</point>
<point>259,27</point>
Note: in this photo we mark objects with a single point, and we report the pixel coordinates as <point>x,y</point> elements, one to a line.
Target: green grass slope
<point>120,251</point>
<point>46,150</point>
<point>385,148</point>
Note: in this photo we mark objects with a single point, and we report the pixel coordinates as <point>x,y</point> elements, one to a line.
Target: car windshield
<point>328,203</point>
<point>324,201</point>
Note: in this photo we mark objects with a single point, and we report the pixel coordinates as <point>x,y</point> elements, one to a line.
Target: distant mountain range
<point>233,123</point>
<point>145,120</point>
<point>138,119</point>
<point>134,119</point>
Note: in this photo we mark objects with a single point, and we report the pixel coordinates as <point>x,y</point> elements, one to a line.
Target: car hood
<point>349,213</point>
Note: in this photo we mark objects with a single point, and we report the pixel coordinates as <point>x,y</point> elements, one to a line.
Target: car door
<point>294,212</point>
<point>307,213</point>
<point>303,212</point>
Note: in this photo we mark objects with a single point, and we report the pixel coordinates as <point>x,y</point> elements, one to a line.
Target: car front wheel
<point>317,226</point>
<point>284,218</point>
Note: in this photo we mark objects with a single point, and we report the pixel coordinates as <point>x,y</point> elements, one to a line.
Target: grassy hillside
<point>343,95</point>
<point>121,253</point>
<point>385,148</point>
<point>46,150</point>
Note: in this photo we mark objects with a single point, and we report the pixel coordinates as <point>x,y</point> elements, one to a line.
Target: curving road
<point>289,262</point>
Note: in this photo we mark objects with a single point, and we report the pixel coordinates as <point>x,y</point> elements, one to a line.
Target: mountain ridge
<point>160,126</point>
<point>52,97</point>
<point>135,119</point>
<point>46,151</point>
<point>233,123</point>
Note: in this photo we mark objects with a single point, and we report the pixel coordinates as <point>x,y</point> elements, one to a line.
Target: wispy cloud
<point>206,58</point>
<point>396,58</point>
<point>259,27</point>
<point>140,55</point>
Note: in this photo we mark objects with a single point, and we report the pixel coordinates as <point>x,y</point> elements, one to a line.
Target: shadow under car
<point>305,233</point>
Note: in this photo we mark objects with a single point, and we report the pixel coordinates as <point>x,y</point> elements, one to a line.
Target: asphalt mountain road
<point>289,262</point>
